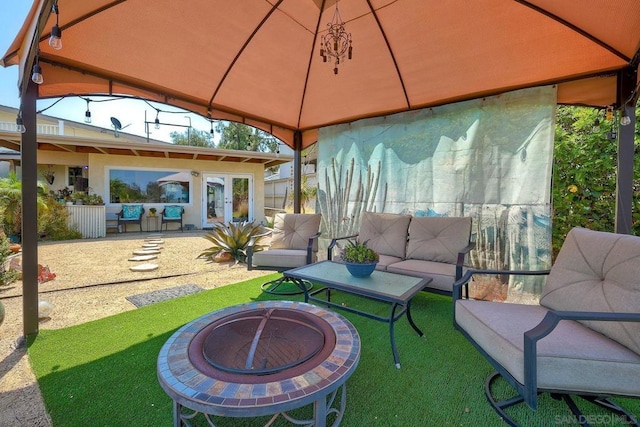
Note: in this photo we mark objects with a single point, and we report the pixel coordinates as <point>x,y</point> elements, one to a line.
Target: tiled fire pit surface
<point>191,388</point>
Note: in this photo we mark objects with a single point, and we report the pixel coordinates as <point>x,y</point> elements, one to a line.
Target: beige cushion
<point>572,357</point>
<point>598,271</point>
<point>443,274</point>
<point>385,233</point>
<point>437,238</point>
<point>385,261</point>
<point>293,231</point>
<point>281,258</point>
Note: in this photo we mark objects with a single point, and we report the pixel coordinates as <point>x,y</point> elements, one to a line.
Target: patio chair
<point>130,214</point>
<point>583,339</point>
<point>171,213</point>
<point>294,243</point>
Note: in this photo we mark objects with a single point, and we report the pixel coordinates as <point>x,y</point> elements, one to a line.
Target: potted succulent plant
<point>359,259</point>
<point>152,211</point>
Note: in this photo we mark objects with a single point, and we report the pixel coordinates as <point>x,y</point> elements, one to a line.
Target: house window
<point>149,186</point>
<point>75,177</point>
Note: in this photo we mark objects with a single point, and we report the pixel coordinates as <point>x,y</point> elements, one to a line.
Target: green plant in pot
<point>360,259</point>
<point>152,211</point>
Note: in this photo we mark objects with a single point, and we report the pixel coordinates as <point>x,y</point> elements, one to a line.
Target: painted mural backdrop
<point>489,159</point>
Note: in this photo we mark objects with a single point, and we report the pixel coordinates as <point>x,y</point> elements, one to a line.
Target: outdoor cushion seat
<point>294,243</point>
<point>384,261</point>
<point>172,213</point>
<point>441,273</point>
<point>582,339</point>
<point>130,214</point>
<point>278,259</point>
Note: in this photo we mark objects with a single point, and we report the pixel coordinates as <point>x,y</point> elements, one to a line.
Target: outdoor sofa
<point>431,247</point>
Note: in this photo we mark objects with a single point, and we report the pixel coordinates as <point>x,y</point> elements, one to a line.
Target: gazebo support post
<point>627,80</point>
<point>297,170</point>
<point>29,151</point>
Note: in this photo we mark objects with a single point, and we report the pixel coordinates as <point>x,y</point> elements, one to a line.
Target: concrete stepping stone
<point>143,257</point>
<point>157,242</point>
<point>144,267</point>
<point>151,246</point>
<point>146,251</point>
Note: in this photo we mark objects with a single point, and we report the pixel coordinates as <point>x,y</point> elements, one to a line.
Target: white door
<point>226,198</point>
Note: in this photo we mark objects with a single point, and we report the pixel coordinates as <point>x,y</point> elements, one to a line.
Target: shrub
<point>7,275</point>
<point>584,174</point>
<point>52,222</point>
<point>234,239</point>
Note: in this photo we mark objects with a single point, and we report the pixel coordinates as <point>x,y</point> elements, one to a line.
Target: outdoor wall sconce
<point>195,173</point>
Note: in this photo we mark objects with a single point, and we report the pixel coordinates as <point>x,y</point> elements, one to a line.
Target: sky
<point>130,113</point>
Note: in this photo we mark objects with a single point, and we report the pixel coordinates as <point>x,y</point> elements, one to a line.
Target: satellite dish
<point>117,126</point>
<point>116,123</point>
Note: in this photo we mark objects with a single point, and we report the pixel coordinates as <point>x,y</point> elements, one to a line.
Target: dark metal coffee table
<point>397,290</point>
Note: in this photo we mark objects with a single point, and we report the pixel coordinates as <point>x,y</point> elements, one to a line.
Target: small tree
<point>192,138</point>
<point>238,136</point>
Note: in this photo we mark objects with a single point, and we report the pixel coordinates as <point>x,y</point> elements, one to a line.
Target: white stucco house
<point>212,185</point>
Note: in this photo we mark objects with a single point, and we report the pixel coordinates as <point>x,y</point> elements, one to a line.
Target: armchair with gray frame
<point>294,243</point>
<point>581,340</point>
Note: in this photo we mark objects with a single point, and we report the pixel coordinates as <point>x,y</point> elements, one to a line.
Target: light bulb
<point>87,116</point>
<point>20,125</point>
<point>157,125</point>
<point>596,125</point>
<point>55,41</point>
<point>36,75</point>
<point>625,120</point>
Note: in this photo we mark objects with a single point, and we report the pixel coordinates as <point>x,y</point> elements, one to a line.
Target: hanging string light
<point>337,42</point>
<point>20,127</point>
<point>625,120</point>
<point>87,114</point>
<point>36,72</point>
<point>55,41</point>
<point>157,120</point>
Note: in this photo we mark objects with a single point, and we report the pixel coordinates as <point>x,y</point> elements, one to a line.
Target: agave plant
<point>234,238</point>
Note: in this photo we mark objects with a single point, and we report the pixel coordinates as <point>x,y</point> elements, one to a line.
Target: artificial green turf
<point>103,373</point>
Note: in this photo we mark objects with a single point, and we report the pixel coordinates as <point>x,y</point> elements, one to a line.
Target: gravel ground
<point>92,281</point>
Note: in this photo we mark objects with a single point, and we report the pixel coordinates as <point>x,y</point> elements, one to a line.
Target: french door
<point>226,198</point>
